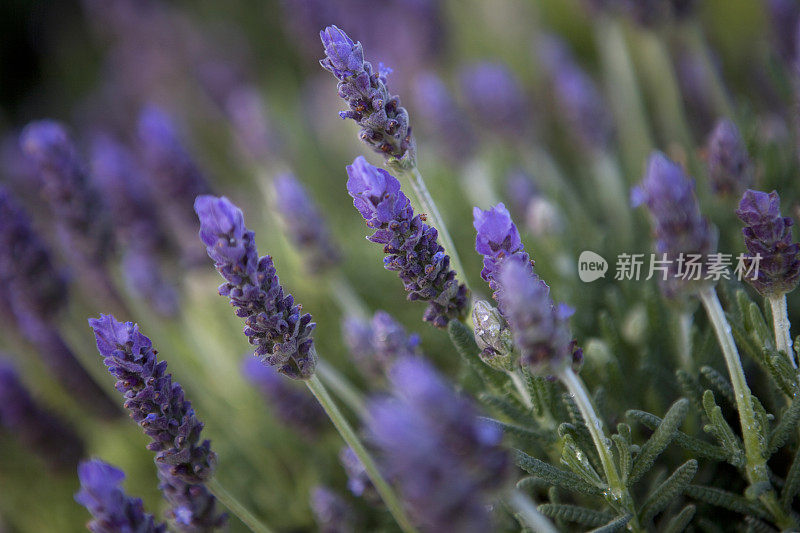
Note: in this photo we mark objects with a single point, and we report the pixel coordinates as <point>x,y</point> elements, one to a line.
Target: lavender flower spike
<point>411,245</point>
<point>384,122</point>
<point>729,168</point>
<point>332,512</point>
<point>447,123</point>
<point>496,98</point>
<point>769,235</point>
<point>678,225</point>
<point>273,322</point>
<point>497,239</point>
<point>540,328</point>
<point>112,510</point>
<point>159,407</point>
<point>375,345</point>
<point>446,462</point>
<point>305,225</point>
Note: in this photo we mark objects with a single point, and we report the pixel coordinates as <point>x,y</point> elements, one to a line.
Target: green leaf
<point>680,521</point>
<point>782,371</point>
<point>792,486</point>
<point>528,435</point>
<point>574,513</point>
<point>576,460</point>
<point>622,440</point>
<point>667,491</point>
<point>720,383</point>
<point>690,388</point>
<point>507,407</point>
<point>754,525</point>
<point>615,525</point>
<point>555,476</point>
<point>757,327</point>
<point>728,500</point>
<point>581,433</point>
<point>719,427</point>
<point>659,440</point>
<point>762,419</point>
<point>687,442</point>
<point>464,341</point>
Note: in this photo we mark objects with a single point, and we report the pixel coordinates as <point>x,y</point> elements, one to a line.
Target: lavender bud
<point>493,337</point>
<point>540,328</point>
<point>577,97</point>
<point>305,225</point>
<point>411,245</point>
<point>496,240</point>
<point>112,510</point>
<point>729,169</point>
<point>358,481</point>
<point>82,222</point>
<point>273,323</point>
<point>429,441</point>
<point>447,123</point>
<point>193,508</point>
<point>769,235</point>
<point>37,428</point>
<point>332,512</point>
<point>679,226</point>
<point>496,98</point>
<point>377,344</point>
<point>384,122</point>
<point>293,406</point>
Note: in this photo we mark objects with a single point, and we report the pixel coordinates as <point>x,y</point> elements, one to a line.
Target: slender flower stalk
<point>780,318</point>
<point>527,510</point>
<point>112,510</point>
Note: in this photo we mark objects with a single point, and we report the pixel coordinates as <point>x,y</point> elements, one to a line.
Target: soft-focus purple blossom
<point>274,324</point>
<point>384,122</point>
<point>411,245</point>
<point>495,97</point>
<point>247,111</point>
<point>305,225</point>
<point>175,177</point>
<point>497,239</point>
<point>294,406</point>
<point>784,15</point>
<point>729,169</point>
<point>37,428</point>
<point>520,190</point>
<point>578,99</point>
<point>376,344</point>
<point>678,225</point>
<point>446,123</point>
<point>445,462</point>
<point>158,405</point>
<point>143,275</point>
<point>332,513</point>
<point>540,328</point>
<point>358,481</point>
<point>82,221</point>
<point>696,86</point>
<point>112,510</point>
<point>769,235</point>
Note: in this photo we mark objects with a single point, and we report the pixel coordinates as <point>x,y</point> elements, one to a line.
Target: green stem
<point>516,379</point>
<point>426,202</point>
<point>352,440</point>
<point>756,468</point>
<point>527,512</point>
<point>240,511</point>
<point>780,320</point>
<point>346,297</point>
<point>684,319</point>
<point>342,387</point>
<point>612,194</point>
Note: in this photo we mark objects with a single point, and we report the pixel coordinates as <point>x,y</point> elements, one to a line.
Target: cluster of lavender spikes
<point>376,344</point>
<point>112,510</point>
<point>769,235</point>
<point>277,327</point>
<point>446,462</point>
<point>384,122</point>
<point>159,407</point>
<point>411,245</point>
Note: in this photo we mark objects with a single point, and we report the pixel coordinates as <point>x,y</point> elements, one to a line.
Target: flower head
<point>411,245</point>
<point>192,506</point>
<point>497,239</point>
<point>274,324</point>
<point>384,122</point>
<point>332,512</point>
<point>729,169</point>
<point>447,123</point>
<point>112,510</point>
<point>495,97</point>
<point>769,235</point>
<point>376,344</point>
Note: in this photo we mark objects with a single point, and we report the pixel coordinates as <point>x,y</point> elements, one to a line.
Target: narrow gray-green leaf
<point>786,427</point>
<point>618,524</point>
<point>720,383</point>
<point>687,442</point>
<point>680,521</point>
<point>728,500</point>
<point>576,514</point>
<point>659,440</point>
<point>670,489</point>
<point>555,476</point>
<point>530,435</point>
<point>792,486</point>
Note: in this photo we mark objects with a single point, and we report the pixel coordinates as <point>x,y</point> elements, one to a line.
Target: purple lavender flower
<point>293,406</point>
<point>384,122</point>
<point>411,245</point>
<point>447,123</point>
<point>36,427</point>
<point>82,221</point>
<point>520,190</point>
<point>497,239</point>
<point>305,225</point>
<point>769,235</point>
<point>375,345</point>
<point>729,167</point>
<point>246,110</point>
<point>496,98</point>
<point>332,512</point>
<point>444,460</point>
<point>112,510</point>
<point>358,481</point>
<point>576,95</point>
<point>193,508</point>
<point>273,323</point>
<point>784,16</point>
<point>678,225</point>
<point>174,176</point>
<point>540,328</point>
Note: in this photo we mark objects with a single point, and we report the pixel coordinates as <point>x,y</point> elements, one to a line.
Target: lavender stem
<point>235,506</point>
<point>780,319</point>
<point>527,511</point>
